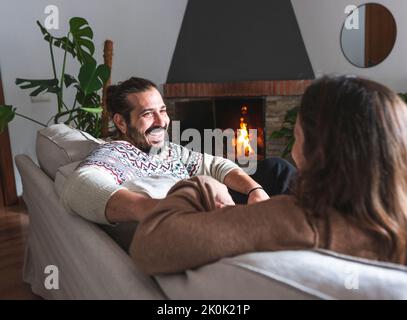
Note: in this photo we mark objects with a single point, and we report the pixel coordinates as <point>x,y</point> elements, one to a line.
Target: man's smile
<point>157,134</point>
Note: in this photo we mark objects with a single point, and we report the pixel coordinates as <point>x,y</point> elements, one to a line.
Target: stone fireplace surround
<point>280,96</point>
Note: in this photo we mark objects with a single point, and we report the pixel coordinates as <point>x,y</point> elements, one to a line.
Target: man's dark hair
<point>117,95</point>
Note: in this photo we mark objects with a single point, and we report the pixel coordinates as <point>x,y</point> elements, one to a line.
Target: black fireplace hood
<point>239,40</point>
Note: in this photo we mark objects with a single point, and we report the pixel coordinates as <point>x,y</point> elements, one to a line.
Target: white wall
<point>320,23</point>
<point>144,34</point>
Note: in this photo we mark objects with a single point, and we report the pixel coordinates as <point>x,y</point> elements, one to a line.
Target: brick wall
<point>276,108</point>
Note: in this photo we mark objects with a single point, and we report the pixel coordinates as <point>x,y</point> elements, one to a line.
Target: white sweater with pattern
<point>119,164</point>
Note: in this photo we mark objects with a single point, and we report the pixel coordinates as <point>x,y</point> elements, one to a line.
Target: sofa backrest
<point>59,145</point>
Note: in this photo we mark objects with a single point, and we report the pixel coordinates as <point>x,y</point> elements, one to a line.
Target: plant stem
<point>61,83</point>
<point>73,107</point>
<point>66,107</point>
<point>28,118</point>
<point>53,60</point>
<point>50,120</point>
<point>70,114</point>
<point>74,103</point>
<point>59,98</point>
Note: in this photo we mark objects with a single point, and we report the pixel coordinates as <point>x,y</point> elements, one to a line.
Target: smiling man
<point>147,122</point>
<point>105,188</point>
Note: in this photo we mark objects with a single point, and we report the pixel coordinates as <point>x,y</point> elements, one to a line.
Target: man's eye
<point>164,111</point>
<point>147,115</point>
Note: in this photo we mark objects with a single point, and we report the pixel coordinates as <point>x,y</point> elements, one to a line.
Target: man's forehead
<point>146,99</point>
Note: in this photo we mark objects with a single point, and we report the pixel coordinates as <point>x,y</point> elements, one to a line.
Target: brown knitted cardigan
<point>185,230</point>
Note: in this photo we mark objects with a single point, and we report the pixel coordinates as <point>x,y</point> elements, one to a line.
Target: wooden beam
<point>108,57</point>
<point>7,180</point>
<point>2,205</point>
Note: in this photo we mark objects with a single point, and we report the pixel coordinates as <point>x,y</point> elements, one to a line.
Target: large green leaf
<point>60,42</point>
<point>283,132</point>
<point>47,85</point>
<point>82,38</point>
<point>277,134</point>
<point>288,148</point>
<point>92,99</point>
<point>7,114</point>
<point>291,116</point>
<point>92,78</point>
<point>92,109</point>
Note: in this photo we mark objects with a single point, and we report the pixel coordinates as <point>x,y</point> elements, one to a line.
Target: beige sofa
<point>91,265</point>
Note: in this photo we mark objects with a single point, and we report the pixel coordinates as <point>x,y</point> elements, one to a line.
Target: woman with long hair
<point>349,196</point>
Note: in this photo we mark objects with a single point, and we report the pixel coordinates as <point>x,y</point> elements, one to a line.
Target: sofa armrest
<point>300,274</point>
<point>91,265</point>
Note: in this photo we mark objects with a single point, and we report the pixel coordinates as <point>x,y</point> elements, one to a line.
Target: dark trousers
<point>275,175</point>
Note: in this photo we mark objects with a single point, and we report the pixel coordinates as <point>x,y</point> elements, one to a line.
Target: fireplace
<point>235,54</point>
<point>259,105</point>
<point>240,114</point>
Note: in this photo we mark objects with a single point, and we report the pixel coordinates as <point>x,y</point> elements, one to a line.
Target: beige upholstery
<point>318,274</point>
<point>91,265</point>
<point>59,145</point>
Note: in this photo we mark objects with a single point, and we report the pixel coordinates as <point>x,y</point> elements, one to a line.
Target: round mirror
<point>368,34</point>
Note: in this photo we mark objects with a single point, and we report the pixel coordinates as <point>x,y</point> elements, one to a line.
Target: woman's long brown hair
<point>355,151</point>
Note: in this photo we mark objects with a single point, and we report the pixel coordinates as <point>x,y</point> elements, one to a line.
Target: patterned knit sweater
<point>119,164</point>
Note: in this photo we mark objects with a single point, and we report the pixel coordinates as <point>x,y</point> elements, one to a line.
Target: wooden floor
<point>13,232</point>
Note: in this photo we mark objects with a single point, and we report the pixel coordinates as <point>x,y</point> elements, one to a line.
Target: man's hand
<point>223,199</point>
<point>257,196</point>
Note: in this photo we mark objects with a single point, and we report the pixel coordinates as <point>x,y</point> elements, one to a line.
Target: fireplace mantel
<point>234,89</point>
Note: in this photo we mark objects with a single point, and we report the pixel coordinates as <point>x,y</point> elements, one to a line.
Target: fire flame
<point>243,147</point>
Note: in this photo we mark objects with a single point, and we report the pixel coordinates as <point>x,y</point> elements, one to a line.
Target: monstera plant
<point>84,112</point>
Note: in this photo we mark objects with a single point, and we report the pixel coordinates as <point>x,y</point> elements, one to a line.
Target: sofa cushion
<point>59,145</point>
<point>317,274</point>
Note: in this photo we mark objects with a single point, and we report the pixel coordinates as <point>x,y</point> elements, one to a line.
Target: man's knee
<point>275,175</point>
<point>278,165</point>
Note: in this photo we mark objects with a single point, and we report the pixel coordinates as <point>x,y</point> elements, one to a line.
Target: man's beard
<point>139,140</point>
